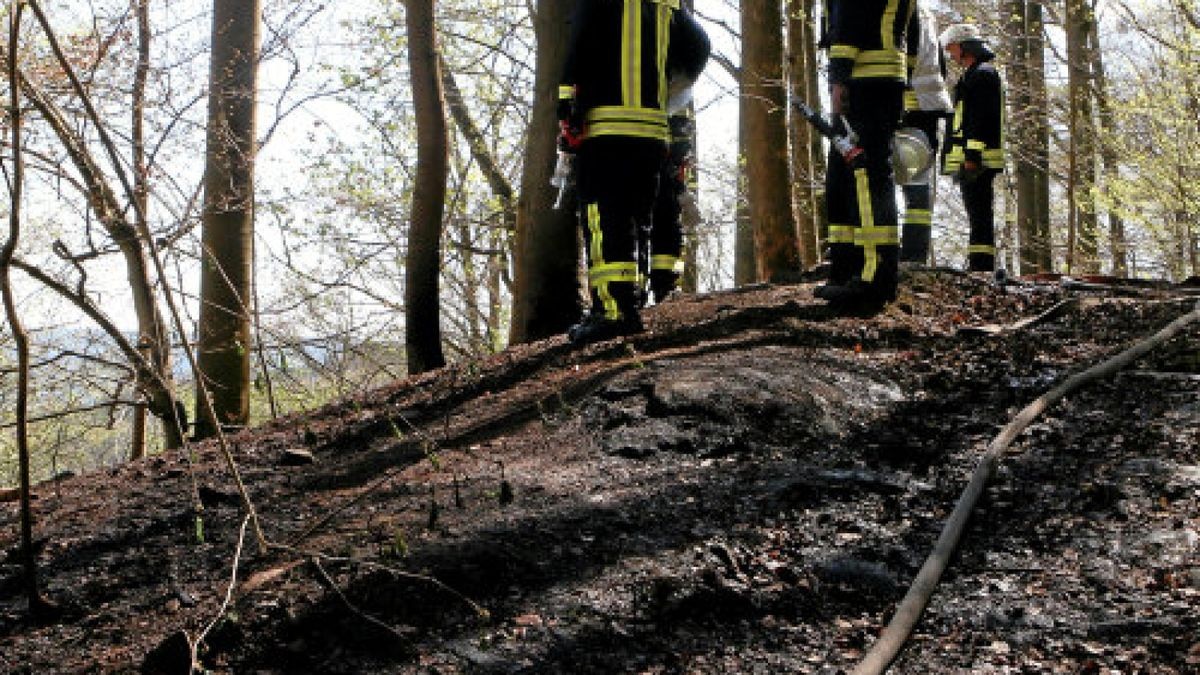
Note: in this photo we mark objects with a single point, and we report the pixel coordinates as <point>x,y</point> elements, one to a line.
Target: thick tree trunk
<point>1118,246</point>
<point>226,275</point>
<point>547,296</point>
<point>764,108</point>
<point>423,334</point>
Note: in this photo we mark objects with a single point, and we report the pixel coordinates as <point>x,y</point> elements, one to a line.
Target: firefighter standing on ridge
<point>974,151</point>
<point>925,104</point>
<point>870,51</point>
<point>613,113</point>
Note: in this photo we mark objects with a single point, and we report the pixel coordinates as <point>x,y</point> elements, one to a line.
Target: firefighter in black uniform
<point>870,51</point>
<point>974,151</point>
<point>613,113</point>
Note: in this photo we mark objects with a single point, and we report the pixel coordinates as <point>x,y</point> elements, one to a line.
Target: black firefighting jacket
<point>977,132</point>
<point>869,39</point>
<point>620,57</point>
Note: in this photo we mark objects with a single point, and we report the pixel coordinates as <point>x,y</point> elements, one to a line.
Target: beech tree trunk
<point>764,108</point>
<point>423,334</point>
<point>226,275</point>
<point>547,295</point>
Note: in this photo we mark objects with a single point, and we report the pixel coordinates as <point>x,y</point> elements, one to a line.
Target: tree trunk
<point>1083,255</point>
<point>802,71</point>
<point>764,107</point>
<point>423,334</point>
<point>743,238</point>
<point>547,298</point>
<point>141,189</point>
<point>1030,135</point>
<point>1118,246</point>
<point>226,275</point>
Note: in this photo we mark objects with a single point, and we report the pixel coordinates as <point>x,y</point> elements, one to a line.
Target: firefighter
<point>613,114</point>
<point>974,151</point>
<point>869,55</point>
<point>926,102</point>
<point>666,233</point>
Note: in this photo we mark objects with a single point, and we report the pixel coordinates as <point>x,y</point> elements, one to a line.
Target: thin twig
<point>237,556</point>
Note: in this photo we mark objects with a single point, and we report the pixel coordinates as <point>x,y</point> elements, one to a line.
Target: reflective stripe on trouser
<point>863,197</point>
<point>666,232</point>
<point>918,223</point>
<point>978,196</point>
<point>617,181</point>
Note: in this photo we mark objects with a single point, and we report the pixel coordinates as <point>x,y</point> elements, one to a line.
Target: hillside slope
<point>747,487</point>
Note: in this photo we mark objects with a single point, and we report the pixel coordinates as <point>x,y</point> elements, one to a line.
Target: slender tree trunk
<point>801,26</point>
<point>1083,255</point>
<point>141,187</point>
<point>423,334</point>
<point>743,239</point>
<point>37,604</point>
<point>226,275</point>
<point>1109,156</point>
<point>547,296</point>
<point>764,107</point>
<point>690,216</point>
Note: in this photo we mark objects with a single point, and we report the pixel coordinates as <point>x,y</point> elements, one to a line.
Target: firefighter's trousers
<point>919,195</point>
<point>617,180</point>
<point>666,234</point>
<point>864,237</point>
<point>978,194</point>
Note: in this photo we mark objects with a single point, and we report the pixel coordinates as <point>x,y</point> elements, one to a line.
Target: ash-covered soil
<point>748,487</point>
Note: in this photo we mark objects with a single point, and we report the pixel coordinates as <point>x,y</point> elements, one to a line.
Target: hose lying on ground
<point>896,634</point>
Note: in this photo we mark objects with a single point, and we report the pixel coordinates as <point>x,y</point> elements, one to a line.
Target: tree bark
<point>802,72</point>
<point>1118,246</point>
<point>764,107</point>
<point>547,296</point>
<point>423,334</point>
<point>1030,135</point>
<point>1082,250</point>
<point>226,275</point>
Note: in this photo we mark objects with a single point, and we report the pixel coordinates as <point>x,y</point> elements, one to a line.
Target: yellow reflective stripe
<point>954,159</point>
<point>628,129</point>
<point>843,52</point>
<point>866,216</point>
<point>841,234</point>
<point>566,91</point>
<point>624,113</point>
<point>596,235</point>
<point>993,158</point>
<point>973,144</point>
<point>956,125</point>
<point>883,235</point>
<point>662,41</point>
<point>910,100</point>
<point>673,4</point>
<point>631,53</point>
<point>618,271</point>
<point>918,217</point>
<point>671,263</point>
<point>879,72</point>
<point>982,248</point>
<point>888,24</point>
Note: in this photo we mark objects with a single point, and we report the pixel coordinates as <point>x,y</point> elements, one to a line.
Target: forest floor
<point>748,487</point>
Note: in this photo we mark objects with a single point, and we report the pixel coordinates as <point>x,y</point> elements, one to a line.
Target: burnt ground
<point>748,487</point>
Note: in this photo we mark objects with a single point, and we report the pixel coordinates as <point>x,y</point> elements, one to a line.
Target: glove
<point>570,137</point>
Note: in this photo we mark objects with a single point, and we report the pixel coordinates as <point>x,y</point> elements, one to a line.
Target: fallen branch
<point>992,329</point>
<point>355,610</point>
<point>896,634</point>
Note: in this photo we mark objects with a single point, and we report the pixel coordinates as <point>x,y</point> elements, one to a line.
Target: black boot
<point>596,328</point>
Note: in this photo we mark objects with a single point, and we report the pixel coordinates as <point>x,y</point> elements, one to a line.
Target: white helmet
<point>911,156</point>
<point>959,33</point>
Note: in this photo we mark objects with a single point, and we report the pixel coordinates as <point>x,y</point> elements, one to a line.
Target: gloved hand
<point>570,137</point>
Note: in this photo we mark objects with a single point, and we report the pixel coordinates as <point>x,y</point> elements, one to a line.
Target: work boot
<point>663,283</point>
<point>855,297</point>
<point>596,328</point>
